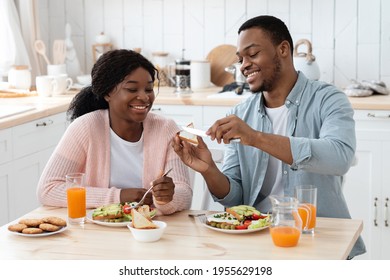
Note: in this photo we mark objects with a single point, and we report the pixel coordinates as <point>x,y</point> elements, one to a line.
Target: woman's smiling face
<point>132,99</point>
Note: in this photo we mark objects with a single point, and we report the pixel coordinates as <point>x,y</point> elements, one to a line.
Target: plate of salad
<point>116,214</point>
<point>238,220</point>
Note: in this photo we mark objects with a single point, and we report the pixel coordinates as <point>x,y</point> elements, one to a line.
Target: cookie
<point>31,222</point>
<point>49,227</point>
<point>54,221</point>
<point>32,230</point>
<point>17,227</point>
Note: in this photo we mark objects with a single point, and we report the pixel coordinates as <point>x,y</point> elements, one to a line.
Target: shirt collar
<point>295,94</point>
<point>294,97</point>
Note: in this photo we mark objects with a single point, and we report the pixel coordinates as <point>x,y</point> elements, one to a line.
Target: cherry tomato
<point>255,217</point>
<point>258,217</point>
<point>245,225</point>
<point>240,227</point>
<point>126,209</point>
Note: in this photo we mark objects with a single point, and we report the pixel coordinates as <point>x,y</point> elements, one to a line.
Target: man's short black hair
<point>274,27</point>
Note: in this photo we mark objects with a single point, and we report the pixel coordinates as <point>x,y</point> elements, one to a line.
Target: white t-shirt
<point>126,162</point>
<point>273,176</point>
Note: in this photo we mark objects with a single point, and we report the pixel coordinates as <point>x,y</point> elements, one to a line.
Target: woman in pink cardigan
<point>117,142</point>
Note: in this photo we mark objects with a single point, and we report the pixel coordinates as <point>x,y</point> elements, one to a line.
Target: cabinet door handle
<point>49,122</point>
<point>375,211</point>
<point>156,109</point>
<point>386,212</point>
<point>379,116</point>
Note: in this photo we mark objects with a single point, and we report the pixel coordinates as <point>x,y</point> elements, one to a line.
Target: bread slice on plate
<point>140,221</point>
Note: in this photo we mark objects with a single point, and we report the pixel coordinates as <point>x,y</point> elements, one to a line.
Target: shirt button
<point>285,172</point>
<point>288,102</point>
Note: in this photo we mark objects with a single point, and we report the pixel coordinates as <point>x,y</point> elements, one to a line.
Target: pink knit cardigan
<point>85,147</point>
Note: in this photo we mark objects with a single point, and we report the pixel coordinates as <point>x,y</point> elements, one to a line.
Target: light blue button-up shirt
<point>321,130</point>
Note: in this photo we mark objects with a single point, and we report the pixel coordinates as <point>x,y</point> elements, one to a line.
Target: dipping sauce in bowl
<point>148,235</point>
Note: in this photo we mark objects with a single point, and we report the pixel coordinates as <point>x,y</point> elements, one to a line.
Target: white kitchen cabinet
<point>30,147</point>
<point>367,184</point>
<point>182,115</point>
<point>5,177</point>
<point>5,145</point>
<point>210,115</point>
<point>202,117</point>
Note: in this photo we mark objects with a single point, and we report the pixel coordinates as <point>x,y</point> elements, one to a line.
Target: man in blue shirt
<point>292,131</point>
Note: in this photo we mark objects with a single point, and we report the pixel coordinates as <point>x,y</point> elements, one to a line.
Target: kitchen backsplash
<point>350,38</point>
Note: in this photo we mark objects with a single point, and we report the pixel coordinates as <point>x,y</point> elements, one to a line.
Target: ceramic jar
<point>19,77</point>
<point>102,38</point>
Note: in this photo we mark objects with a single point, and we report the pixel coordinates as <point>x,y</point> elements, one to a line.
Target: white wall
<point>351,38</point>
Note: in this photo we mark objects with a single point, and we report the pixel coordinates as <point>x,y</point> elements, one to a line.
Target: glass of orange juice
<point>76,198</point>
<point>307,208</point>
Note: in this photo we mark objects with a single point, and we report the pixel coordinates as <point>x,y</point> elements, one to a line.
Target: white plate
<point>231,231</point>
<point>39,234</point>
<point>108,224</point>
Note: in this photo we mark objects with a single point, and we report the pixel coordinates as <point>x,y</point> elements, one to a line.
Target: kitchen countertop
<point>185,238</point>
<point>46,106</point>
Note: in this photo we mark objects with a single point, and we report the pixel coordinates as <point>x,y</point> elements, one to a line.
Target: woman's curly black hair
<point>109,71</point>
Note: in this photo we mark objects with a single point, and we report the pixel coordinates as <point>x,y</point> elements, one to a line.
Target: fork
<point>200,216</point>
<point>202,219</point>
<point>148,191</point>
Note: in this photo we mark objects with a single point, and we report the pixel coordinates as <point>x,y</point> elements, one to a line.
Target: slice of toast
<point>236,215</point>
<point>144,210</point>
<point>139,221</point>
<point>189,137</point>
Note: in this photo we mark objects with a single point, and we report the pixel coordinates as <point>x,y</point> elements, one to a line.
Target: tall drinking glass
<point>307,208</point>
<point>76,198</point>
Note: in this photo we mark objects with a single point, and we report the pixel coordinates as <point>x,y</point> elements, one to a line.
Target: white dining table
<point>185,238</point>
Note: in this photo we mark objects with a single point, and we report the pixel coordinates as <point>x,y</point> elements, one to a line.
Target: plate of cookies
<point>38,227</point>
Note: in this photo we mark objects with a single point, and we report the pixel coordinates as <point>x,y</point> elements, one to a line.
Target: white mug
<point>46,85</point>
<point>56,69</point>
<point>64,83</point>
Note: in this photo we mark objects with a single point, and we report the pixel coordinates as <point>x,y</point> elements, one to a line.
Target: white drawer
<point>372,124</point>
<point>372,116</point>
<point>5,145</point>
<point>38,135</point>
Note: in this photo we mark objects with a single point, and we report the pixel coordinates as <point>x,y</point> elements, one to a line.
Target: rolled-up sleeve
<point>327,144</point>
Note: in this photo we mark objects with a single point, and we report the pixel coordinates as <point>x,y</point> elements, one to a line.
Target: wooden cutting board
<point>221,57</point>
<point>16,93</point>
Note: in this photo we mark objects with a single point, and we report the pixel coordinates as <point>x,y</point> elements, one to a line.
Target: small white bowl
<point>84,79</point>
<point>148,235</point>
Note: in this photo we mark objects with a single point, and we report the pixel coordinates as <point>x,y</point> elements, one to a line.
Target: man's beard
<point>268,84</point>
